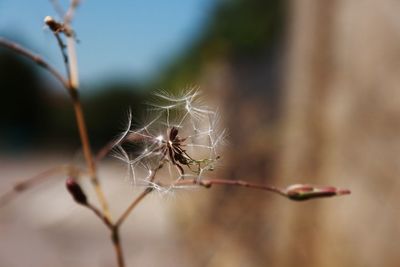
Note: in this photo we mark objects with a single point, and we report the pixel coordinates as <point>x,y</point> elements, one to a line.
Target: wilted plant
<point>181,135</point>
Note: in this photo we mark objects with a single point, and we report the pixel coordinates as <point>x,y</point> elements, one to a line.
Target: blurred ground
<point>44,227</point>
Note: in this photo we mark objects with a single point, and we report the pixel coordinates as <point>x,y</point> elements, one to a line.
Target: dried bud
<point>53,24</point>
<point>301,192</point>
<point>76,191</point>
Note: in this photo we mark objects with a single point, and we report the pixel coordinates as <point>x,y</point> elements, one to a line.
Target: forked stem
<point>68,84</point>
<point>133,205</point>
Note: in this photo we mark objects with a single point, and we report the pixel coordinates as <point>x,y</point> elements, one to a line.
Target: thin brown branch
<point>62,47</point>
<point>73,63</point>
<point>58,8</point>
<point>69,15</point>
<point>87,152</point>
<point>100,215</point>
<point>207,183</point>
<point>133,205</point>
<point>117,246</point>
<point>80,197</point>
<point>105,150</point>
<point>139,198</point>
<point>35,58</point>
<point>114,230</point>
<point>70,60</point>
<point>31,182</point>
<point>296,192</point>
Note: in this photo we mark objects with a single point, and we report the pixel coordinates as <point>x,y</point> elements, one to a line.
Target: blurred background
<point>307,90</point>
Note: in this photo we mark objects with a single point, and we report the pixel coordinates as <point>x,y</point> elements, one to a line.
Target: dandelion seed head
<point>160,138</point>
<point>180,138</point>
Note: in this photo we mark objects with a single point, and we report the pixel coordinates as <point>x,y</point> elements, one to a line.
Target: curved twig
<point>34,57</point>
<point>31,182</point>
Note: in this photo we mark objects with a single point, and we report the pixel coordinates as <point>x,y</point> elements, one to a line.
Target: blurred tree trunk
<point>342,127</point>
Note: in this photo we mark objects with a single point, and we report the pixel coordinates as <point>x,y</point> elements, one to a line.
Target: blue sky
<point>129,39</point>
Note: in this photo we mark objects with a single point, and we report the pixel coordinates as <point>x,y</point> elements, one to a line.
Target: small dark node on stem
<point>149,189</point>
<point>20,187</point>
<point>73,93</point>
<point>76,191</point>
<point>115,235</point>
<point>55,26</point>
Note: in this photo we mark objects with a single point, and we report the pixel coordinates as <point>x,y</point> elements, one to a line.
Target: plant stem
<point>117,246</point>
<point>80,121</point>
<point>207,183</point>
<point>87,152</point>
<point>73,63</point>
<point>137,200</point>
<point>35,58</point>
<point>114,230</point>
<point>32,181</point>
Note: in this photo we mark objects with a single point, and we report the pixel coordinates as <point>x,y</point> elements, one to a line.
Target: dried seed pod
<point>300,192</point>
<point>55,26</point>
<point>76,191</point>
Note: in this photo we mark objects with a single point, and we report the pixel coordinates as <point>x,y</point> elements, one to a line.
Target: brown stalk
<point>71,11</point>
<point>33,181</point>
<point>115,236</point>
<point>114,230</point>
<point>58,8</point>
<point>35,58</point>
<point>70,60</point>
<point>71,86</point>
<point>207,183</point>
<point>114,227</point>
<point>87,152</point>
<point>133,205</point>
<point>63,53</point>
<point>117,247</point>
<point>39,178</point>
